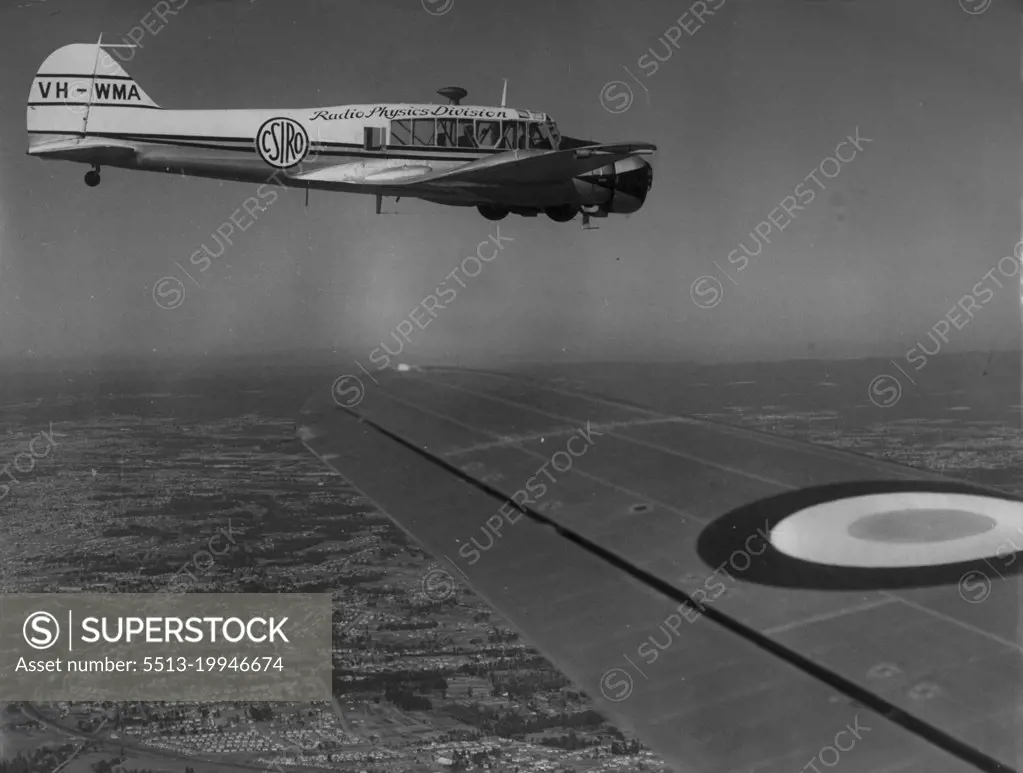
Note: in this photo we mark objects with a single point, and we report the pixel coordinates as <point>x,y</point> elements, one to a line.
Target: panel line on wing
<point>777,441</point>
<point>635,441</point>
<point>595,478</point>
<point>948,619</point>
<point>849,610</point>
<point>507,441</point>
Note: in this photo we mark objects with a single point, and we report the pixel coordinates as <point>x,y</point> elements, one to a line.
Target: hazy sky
<point>743,111</point>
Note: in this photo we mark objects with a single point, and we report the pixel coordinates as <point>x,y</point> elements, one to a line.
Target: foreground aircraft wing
<point>649,557</point>
<point>514,166</point>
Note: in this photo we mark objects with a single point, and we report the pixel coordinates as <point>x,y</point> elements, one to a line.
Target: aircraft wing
<point>641,556</point>
<point>511,167</point>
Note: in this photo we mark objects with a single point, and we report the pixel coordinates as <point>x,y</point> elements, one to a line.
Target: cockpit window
<point>401,133</point>
<point>512,135</point>
<point>552,130</point>
<point>488,133</point>
<point>423,131</point>
<point>466,133</point>
<point>537,138</point>
<point>446,132</point>
<point>469,133</point>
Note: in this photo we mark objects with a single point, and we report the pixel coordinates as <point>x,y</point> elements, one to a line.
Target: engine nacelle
<point>620,187</point>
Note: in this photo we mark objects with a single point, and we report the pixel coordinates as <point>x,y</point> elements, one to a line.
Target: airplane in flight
<point>84,107</point>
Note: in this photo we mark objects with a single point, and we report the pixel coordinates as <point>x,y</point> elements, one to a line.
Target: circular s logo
<point>438,7</point>
<point>348,391</point>
<point>41,630</point>
<point>974,587</point>
<point>706,292</point>
<point>169,292</point>
<point>438,585</point>
<point>77,98</point>
<point>282,142</point>
<point>974,7</point>
<point>884,391</point>
<point>616,96</point>
<point>616,684</point>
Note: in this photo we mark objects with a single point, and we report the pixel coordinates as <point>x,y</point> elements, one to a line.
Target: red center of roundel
<point>920,526</point>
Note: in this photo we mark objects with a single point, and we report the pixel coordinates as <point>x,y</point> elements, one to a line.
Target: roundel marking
<point>901,529</point>
<point>282,142</point>
<point>872,535</point>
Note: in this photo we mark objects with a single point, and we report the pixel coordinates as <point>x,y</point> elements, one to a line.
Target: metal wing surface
<point>636,572</point>
<point>522,167</point>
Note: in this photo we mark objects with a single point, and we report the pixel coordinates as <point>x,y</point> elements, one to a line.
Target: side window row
<point>466,133</point>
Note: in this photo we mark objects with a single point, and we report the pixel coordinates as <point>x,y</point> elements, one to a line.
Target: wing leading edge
<point>603,572</point>
<point>510,168</point>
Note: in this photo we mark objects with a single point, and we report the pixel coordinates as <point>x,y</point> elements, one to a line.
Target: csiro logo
<point>41,630</point>
<point>282,142</point>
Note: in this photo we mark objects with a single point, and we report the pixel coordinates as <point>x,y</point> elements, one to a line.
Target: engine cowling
<point>621,187</point>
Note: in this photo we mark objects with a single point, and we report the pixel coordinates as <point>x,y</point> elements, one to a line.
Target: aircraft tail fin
<point>72,82</point>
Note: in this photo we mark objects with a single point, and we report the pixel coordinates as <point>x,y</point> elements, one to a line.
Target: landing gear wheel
<point>492,213</point>
<point>562,214</point>
<point>92,178</point>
